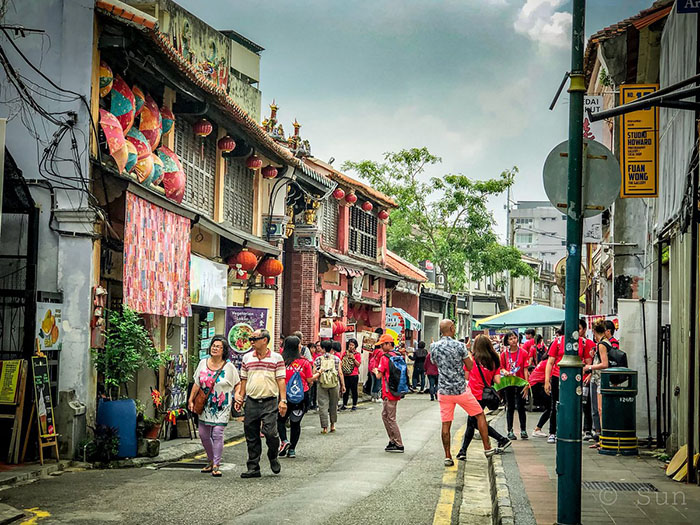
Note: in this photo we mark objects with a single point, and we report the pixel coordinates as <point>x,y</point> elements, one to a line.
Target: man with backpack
<point>451,358</point>
<point>391,369</point>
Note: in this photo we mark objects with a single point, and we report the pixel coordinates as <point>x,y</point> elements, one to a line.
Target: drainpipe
<point>659,344</point>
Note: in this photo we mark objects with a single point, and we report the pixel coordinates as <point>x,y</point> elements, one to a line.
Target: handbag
<point>489,396</point>
<point>200,400</point>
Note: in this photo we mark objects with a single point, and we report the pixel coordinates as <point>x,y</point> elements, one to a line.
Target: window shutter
<point>238,195</point>
<point>200,169</point>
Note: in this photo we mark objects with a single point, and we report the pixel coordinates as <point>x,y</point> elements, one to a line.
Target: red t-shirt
<point>374,360</point>
<point>304,368</point>
<point>516,362</point>
<point>529,347</point>
<point>537,375</point>
<point>384,370</point>
<point>586,349</point>
<point>476,384</point>
<point>358,361</point>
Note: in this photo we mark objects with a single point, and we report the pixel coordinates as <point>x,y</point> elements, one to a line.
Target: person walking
<point>264,392</point>
<point>540,350</point>
<point>600,362</point>
<point>374,363</point>
<point>451,358</point>
<point>330,380</point>
<point>431,370</point>
<point>485,372</point>
<point>529,344</point>
<point>350,361</point>
<point>418,357</point>
<point>588,348</point>
<point>316,351</point>
<point>514,362</point>
<point>298,378</point>
<point>216,380</point>
<point>381,371</point>
<point>305,352</point>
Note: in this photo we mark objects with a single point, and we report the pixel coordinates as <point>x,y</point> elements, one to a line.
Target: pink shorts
<point>466,400</point>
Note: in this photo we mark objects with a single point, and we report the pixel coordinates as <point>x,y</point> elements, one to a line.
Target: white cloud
<point>541,21</point>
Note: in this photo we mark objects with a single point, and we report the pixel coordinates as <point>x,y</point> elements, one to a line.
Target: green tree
<point>444,220</point>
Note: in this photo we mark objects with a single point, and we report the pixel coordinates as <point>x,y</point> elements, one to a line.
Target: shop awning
<point>349,263</point>
<point>410,322</point>
<point>529,316</point>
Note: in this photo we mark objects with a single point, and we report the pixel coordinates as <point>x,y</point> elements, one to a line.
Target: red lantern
<point>338,328</point>
<point>243,262</point>
<point>226,144</point>
<point>351,198</point>
<point>383,215</point>
<point>270,268</point>
<point>253,162</point>
<point>269,172</point>
<point>338,193</point>
<point>367,206</point>
<point>202,128</point>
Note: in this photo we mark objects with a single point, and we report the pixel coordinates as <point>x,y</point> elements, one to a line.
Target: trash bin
<point>618,435</point>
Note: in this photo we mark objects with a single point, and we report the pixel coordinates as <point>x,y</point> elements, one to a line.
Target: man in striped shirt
<point>263,389</point>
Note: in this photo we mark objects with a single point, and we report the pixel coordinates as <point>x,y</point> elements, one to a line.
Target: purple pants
<point>212,437</point>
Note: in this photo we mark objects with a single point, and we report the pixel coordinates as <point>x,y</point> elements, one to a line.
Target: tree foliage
<point>444,220</point>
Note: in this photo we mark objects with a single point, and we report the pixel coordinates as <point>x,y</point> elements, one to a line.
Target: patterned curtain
<point>156,260</point>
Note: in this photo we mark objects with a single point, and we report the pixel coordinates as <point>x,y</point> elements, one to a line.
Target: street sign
<point>600,183</point>
<point>560,277</point>
<point>688,6</point>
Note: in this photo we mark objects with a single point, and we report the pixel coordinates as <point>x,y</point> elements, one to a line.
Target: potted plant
<point>128,348</point>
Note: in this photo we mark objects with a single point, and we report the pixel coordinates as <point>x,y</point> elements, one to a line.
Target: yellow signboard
<point>8,381</point>
<point>639,145</point>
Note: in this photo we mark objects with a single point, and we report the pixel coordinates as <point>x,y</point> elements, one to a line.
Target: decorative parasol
<point>151,124</point>
<point>132,156</point>
<point>174,178</point>
<point>115,138</point>
<point>144,169</point>
<point>168,119</point>
<point>158,170</point>
<point>122,105</point>
<point>139,99</point>
<point>143,147</point>
<point>106,78</point>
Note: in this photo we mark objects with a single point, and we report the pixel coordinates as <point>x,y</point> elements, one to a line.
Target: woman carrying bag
<point>215,382</point>
<point>485,372</point>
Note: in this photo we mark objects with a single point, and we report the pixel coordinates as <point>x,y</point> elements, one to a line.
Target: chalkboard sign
<point>42,396</point>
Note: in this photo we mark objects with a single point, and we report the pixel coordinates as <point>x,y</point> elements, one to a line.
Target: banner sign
<point>9,378</point>
<point>593,130</point>
<point>42,396</point>
<point>639,145</point>
<point>688,6</point>
<point>241,322</point>
<point>48,320</point>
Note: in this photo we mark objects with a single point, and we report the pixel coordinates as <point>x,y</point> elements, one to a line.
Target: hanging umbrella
<point>151,124</point>
<point>122,105</point>
<point>158,167</point>
<point>139,99</point>
<point>115,138</point>
<point>132,156</point>
<point>171,162</point>
<point>143,147</point>
<point>529,316</point>
<point>174,178</point>
<point>144,169</point>
<point>106,79</point>
<point>168,119</point>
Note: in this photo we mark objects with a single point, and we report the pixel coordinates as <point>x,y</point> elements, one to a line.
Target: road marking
<point>226,445</point>
<point>443,511</point>
<point>38,515</point>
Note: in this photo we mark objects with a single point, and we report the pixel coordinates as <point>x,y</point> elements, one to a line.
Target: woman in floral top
<point>220,378</point>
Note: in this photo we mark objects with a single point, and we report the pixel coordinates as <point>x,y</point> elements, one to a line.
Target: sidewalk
<point>672,502</point>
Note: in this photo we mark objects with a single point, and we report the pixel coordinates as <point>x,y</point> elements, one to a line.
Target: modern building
<point>538,230</point>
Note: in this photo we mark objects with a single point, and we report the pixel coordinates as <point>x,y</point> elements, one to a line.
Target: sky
<point>471,80</point>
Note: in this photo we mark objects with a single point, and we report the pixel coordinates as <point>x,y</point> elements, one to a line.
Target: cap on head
<point>386,338</point>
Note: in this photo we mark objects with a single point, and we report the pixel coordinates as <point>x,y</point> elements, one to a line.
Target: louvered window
<point>330,223</point>
<point>363,233</point>
<point>200,169</point>
<point>238,195</point>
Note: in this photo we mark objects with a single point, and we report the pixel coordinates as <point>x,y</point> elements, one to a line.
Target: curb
<point>32,475</point>
<point>502,508</point>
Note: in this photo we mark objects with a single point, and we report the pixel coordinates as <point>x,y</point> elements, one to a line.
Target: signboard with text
<point>688,6</point>
<point>42,396</point>
<point>639,145</point>
<point>593,130</point>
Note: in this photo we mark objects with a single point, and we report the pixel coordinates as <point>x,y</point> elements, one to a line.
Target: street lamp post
<point>569,412</point>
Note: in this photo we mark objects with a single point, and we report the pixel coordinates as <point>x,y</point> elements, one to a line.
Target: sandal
<point>594,445</point>
<point>207,469</point>
<point>215,471</point>
<point>333,428</point>
<point>449,462</point>
<point>324,430</point>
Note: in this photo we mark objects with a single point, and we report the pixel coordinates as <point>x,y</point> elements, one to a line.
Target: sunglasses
<point>255,338</point>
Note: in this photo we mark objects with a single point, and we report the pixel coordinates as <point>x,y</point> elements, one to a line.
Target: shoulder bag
<point>489,396</point>
<point>200,400</point>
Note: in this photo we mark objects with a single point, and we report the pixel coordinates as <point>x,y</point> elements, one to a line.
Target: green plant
<point>128,348</point>
<point>104,447</point>
<point>140,407</point>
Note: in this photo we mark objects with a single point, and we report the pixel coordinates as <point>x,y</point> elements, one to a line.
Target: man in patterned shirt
<point>451,358</point>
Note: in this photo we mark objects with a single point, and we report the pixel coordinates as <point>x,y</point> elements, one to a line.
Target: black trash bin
<point>618,435</point>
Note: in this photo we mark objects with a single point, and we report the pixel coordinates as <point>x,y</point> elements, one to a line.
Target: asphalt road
<point>340,478</point>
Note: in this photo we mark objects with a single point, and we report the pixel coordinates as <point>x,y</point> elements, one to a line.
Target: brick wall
<point>301,302</point>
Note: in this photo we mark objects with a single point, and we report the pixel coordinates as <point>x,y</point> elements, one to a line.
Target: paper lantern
<point>270,268</point>
<point>383,215</point>
<point>351,198</point>
<point>338,193</point>
<point>168,119</point>
<point>367,206</point>
<point>158,170</point>
<point>269,172</point>
<point>132,156</point>
<point>144,169</point>
<point>143,147</point>
<point>122,103</point>
<point>151,124</point>
<point>139,99</point>
<point>106,79</point>
<point>226,144</point>
<point>202,128</point>
<point>243,262</point>
<point>338,328</point>
<point>254,162</point>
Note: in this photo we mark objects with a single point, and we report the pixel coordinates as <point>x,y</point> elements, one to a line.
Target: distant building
<point>539,230</point>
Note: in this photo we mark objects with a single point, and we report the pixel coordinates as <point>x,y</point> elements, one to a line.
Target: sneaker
<point>552,438</point>
<point>291,453</point>
<point>250,474</point>
<point>449,462</point>
<point>539,434</point>
<point>353,409</point>
<point>284,447</point>
<point>491,452</point>
<point>512,436</point>
<point>504,444</point>
<point>462,455</point>
<point>587,436</point>
<point>343,408</point>
<point>523,434</point>
<point>275,466</point>
<point>393,447</point>
<point>391,444</point>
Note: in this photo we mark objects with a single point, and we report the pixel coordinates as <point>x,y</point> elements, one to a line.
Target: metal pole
<point>659,344</point>
<point>643,301</point>
<point>569,411</point>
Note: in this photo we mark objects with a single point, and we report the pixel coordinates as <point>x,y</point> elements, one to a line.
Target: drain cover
<point>184,464</point>
<point>619,486</point>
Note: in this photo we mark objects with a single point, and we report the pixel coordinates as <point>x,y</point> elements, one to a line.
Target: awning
<point>410,322</point>
<point>349,263</point>
<point>529,316</point>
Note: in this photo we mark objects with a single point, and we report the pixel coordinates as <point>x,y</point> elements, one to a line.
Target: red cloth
<point>586,348</point>
<point>358,360</point>
<point>384,370</point>
<point>430,368</point>
<point>304,368</point>
<point>476,384</point>
<point>515,362</point>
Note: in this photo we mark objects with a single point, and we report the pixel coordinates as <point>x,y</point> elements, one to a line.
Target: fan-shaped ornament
<point>116,145</point>
<point>144,169</point>
<point>132,156</point>
<point>158,170</point>
<point>139,99</point>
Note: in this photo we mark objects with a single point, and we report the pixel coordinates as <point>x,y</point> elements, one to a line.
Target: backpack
<point>295,388</point>
<point>616,358</point>
<point>329,375</point>
<point>348,363</point>
<point>397,383</point>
